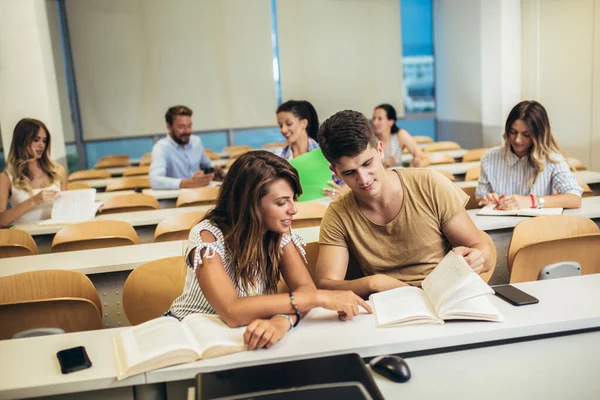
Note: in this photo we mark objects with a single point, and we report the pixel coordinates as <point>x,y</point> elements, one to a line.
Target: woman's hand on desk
<point>490,198</point>
<point>514,202</point>
<point>264,333</point>
<point>345,302</point>
<point>472,256</point>
<point>46,196</point>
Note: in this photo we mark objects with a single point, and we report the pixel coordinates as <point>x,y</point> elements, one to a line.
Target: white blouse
<point>192,299</point>
<point>39,212</point>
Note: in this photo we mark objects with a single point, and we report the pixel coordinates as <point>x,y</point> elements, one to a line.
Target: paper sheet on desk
<point>74,206</point>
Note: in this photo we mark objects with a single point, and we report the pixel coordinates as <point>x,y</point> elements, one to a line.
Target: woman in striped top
<point>240,250</point>
<point>529,171</point>
<point>394,138</point>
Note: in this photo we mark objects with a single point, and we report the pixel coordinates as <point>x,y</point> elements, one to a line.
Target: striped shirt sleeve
<point>563,180</point>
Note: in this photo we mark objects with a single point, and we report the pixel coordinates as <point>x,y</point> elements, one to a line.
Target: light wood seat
<point>211,154</point>
<point>129,202</point>
<point>88,174</point>
<point>274,145</point>
<point>230,149</point>
<point>473,173</point>
<point>441,146</point>
<point>113,161</point>
<point>546,228</point>
<point>130,183</point>
<point>472,203</point>
<point>312,254</point>
<point>146,159</point>
<point>422,139</point>
<point>94,235</point>
<point>177,227</point>
<point>440,158</point>
<point>587,191</point>
<point>237,153</point>
<point>447,174</point>
<point>78,185</point>
<point>197,197</point>
<point>474,155</point>
<point>575,164</point>
<point>486,276</point>
<point>134,171</point>
<point>532,258</point>
<point>49,298</point>
<point>16,243</point>
<point>309,214</point>
<point>151,288</point>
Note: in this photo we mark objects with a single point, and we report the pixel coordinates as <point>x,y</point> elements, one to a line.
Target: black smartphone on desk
<point>73,359</point>
<point>514,296</point>
<point>209,170</point>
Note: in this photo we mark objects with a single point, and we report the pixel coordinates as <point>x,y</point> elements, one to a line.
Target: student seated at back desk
<point>178,160</point>
<point>31,182</point>
<point>529,168</point>
<point>239,251</point>
<point>397,224</point>
<point>299,123</point>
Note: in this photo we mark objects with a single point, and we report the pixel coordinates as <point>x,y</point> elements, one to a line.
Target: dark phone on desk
<point>514,296</point>
<point>73,359</point>
<point>208,170</point>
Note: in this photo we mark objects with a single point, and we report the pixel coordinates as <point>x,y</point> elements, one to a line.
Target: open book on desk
<point>166,341</point>
<point>73,206</point>
<point>490,209</point>
<point>451,291</point>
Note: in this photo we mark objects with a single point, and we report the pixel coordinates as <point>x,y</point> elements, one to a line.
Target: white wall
<point>28,76</point>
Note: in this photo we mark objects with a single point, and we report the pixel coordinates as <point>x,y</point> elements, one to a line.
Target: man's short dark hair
<point>345,134</point>
<point>175,111</point>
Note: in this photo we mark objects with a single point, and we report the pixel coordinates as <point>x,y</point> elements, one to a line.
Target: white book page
<point>474,286</point>
<point>534,212</point>
<point>477,308</point>
<point>212,337</point>
<point>154,340</point>
<point>75,205</point>
<point>490,209</point>
<point>446,278</point>
<point>404,305</point>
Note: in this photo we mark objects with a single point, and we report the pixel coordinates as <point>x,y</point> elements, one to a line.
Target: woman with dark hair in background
<point>529,171</point>
<point>299,124</point>
<point>242,248</point>
<point>31,181</point>
<point>395,139</point>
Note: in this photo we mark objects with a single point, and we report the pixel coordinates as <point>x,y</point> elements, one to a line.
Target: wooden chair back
<point>546,228</point>
<point>113,161</point>
<point>68,314</point>
<point>129,202</point>
<point>129,183</point>
<point>309,214</point>
<point>473,173</point>
<point>135,171</point>
<point>447,174</point>
<point>472,203</point>
<point>532,258</point>
<point>440,158</point>
<point>177,227</point>
<point>587,191</point>
<point>146,159</point>
<point>16,243</point>
<point>422,139</point>
<point>94,235</point>
<point>78,185</point>
<point>575,164</point>
<point>197,197</point>
<point>87,174</point>
<point>312,254</point>
<point>274,145</point>
<point>211,154</point>
<point>441,146</point>
<point>486,276</point>
<point>230,149</point>
<point>237,153</point>
<point>151,288</point>
<point>474,155</point>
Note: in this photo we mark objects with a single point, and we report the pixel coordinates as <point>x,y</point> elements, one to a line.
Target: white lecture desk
<point>589,177</point>
<point>457,154</point>
<point>456,168</point>
<point>568,305</point>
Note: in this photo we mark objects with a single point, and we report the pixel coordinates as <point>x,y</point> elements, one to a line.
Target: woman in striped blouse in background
<point>529,171</point>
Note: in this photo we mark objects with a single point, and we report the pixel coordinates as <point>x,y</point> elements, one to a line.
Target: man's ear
<point>380,149</point>
<point>169,127</point>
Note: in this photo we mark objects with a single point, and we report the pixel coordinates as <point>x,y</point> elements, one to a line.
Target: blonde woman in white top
<point>394,138</point>
<point>31,182</point>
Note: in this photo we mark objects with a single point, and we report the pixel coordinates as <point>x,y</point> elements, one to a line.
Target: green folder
<point>314,172</point>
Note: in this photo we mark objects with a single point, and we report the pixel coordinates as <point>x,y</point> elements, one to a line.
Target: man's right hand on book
<point>381,283</point>
<point>345,302</point>
<point>472,256</point>
<point>264,333</point>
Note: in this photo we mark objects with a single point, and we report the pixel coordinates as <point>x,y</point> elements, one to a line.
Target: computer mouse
<point>392,367</point>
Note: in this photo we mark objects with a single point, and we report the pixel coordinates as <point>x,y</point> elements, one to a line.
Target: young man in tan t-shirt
<point>396,225</point>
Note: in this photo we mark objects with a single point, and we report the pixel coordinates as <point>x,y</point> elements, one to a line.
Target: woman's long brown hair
<point>534,115</point>
<point>237,214</point>
<point>20,154</point>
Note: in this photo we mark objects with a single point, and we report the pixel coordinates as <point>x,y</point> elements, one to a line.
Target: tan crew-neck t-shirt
<point>411,244</point>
